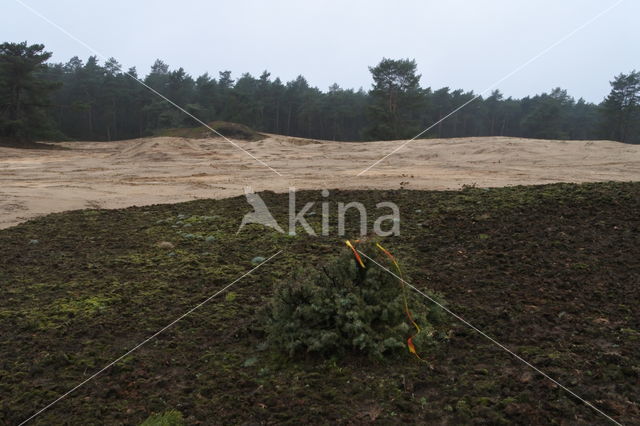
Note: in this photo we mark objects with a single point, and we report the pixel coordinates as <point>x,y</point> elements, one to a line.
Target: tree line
<point>89,100</point>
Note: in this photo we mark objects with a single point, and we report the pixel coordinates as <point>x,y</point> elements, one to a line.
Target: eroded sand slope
<point>168,170</point>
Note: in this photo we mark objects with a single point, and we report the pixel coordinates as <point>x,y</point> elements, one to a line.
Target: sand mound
<point>159,149</point>
<point>172,169</point>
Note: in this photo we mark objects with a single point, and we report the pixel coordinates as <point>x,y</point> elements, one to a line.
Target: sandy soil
<point>168,170</point>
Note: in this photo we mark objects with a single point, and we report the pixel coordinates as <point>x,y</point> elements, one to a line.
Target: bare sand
<point>168,170</point>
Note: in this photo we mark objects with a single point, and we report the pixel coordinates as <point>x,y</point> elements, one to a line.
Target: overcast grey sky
<point>461,44</point>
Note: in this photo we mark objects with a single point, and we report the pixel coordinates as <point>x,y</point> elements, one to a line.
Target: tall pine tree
<point>24,93</point>
<point>621,109</point>
<point>396,99</point>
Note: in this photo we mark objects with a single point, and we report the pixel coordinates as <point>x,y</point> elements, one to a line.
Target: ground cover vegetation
<point>550,271</point>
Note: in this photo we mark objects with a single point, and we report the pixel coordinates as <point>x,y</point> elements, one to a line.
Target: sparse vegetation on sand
<point>229,130</point>
<point>550,271</point>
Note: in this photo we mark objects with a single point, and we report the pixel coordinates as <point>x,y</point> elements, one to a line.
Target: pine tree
<point>621,109</point>
<point>396,99</point>
<point>24,93</point>
<point>345,308</point>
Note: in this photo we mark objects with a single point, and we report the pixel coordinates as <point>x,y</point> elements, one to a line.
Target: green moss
<point>62,312</point>
<point>580,266</point>
<point>506,401</point>
<point>463,409</point>
<point>486,386</point>
<point>168,418</point>
<point>483,401</point>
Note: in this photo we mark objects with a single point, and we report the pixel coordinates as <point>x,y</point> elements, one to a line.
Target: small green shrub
<point>344,308</point>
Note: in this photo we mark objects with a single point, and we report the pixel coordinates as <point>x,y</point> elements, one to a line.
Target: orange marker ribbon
<point>410,345</point>
<point>355,252</point>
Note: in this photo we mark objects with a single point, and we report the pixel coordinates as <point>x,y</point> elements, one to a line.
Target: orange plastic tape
<point>355,252</point>
<point>410,345</point>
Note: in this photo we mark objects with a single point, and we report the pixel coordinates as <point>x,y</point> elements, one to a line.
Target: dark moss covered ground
<point>553,272</point>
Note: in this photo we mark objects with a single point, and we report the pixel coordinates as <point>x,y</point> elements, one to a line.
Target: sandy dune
<point>168,170</point>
